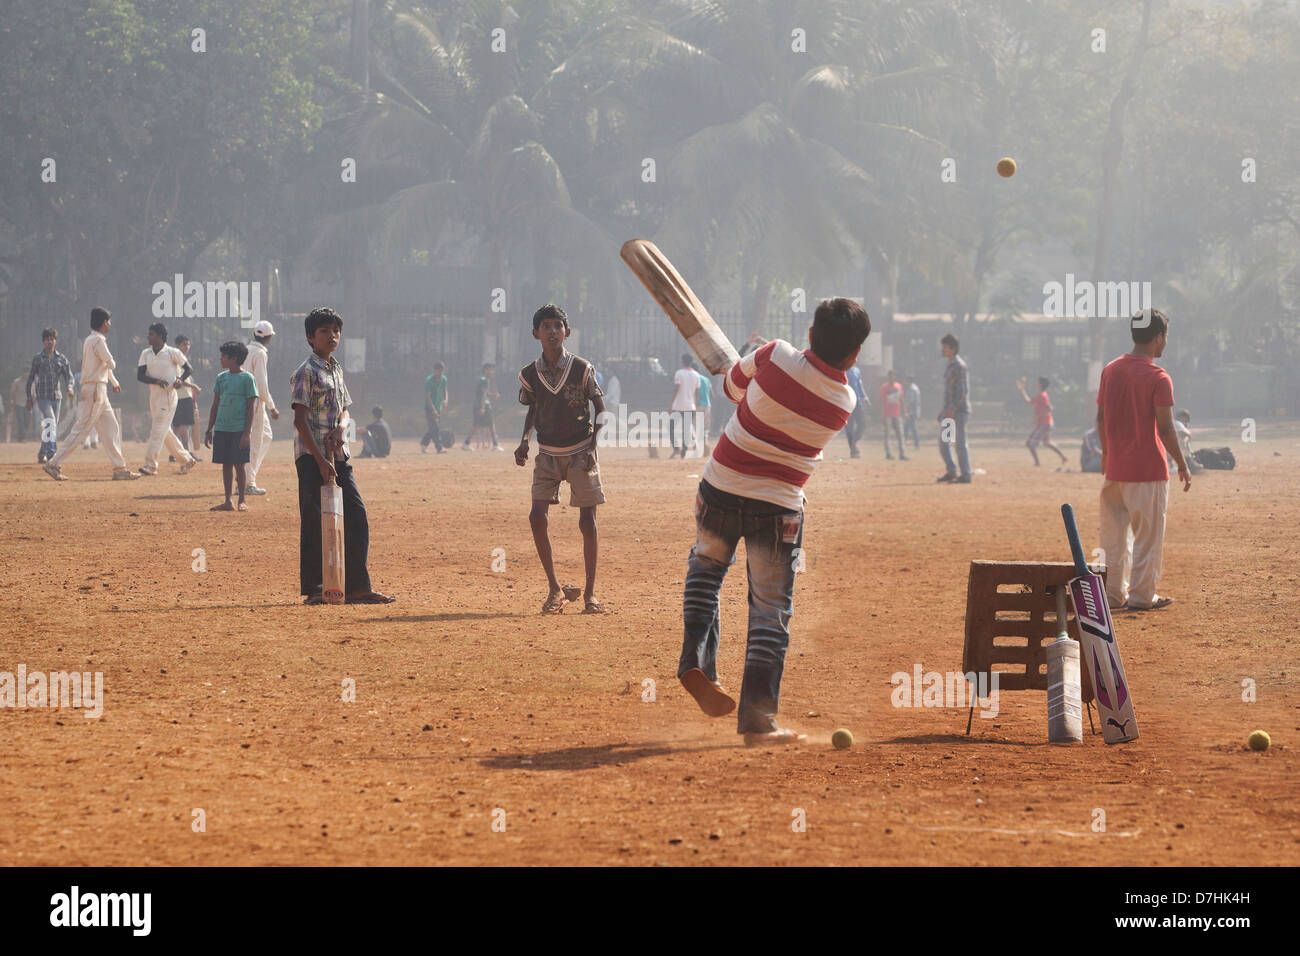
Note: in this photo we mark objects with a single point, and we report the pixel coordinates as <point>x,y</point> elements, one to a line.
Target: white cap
<point>264,328</point>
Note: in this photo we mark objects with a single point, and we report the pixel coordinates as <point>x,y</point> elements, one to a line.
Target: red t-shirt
<point>1042,409</point>
<point>891,400</point>
<point>1132,388</point>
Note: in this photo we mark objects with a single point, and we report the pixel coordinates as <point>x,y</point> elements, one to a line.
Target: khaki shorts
<point>580,470</point>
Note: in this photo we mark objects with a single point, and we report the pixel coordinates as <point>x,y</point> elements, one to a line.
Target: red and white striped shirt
<point>791,404</point>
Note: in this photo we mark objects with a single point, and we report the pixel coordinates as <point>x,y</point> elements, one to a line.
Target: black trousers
<point>433,434</point>
<point>356,528</point>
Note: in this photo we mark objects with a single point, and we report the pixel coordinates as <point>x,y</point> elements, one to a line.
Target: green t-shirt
<point>235,391</point>
<point>437,390</point>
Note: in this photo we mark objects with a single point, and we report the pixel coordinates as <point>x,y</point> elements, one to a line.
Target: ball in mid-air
<point>842,739</point>
<point>1006,167</point>
<point>1259,740</point>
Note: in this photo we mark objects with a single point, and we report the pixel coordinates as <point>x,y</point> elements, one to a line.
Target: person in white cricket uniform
<point>164,369</point>
<point>94,413</point>
<point>260,434</point>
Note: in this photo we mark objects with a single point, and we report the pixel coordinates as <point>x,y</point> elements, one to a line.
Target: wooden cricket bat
<point>676,298</point>
<point>331,542</point>
<point>1064,703</point>
<point>1100,651</point>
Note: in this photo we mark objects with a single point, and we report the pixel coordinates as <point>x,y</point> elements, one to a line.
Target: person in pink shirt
<point>1042,432</point>
<point>891,412</point>
<point>1135,423</point>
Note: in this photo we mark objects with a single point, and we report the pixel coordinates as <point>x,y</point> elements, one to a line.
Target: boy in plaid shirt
<point>320,418</point>
<point>50,369</point>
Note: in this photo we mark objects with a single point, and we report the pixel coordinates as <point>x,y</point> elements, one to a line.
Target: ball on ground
<point>1259,740</point>
<point>842,739</point>
<point>1006,167</point>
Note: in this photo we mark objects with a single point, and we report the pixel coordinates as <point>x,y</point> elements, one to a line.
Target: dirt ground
<point>222,693</point>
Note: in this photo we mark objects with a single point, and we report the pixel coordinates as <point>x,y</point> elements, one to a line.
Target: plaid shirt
<point>47,372</point>
<point>318,386</point>
<point>956,386</point>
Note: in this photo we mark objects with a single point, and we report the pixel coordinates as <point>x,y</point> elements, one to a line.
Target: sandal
<point>1154,606</point>
<point>778,736</point>
<point>554,605</point>
<point>593,607</point>
<point>374,597</point>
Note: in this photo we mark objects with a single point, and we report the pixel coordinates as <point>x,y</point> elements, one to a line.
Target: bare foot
<point>227,506</point>
<point>243,506</point>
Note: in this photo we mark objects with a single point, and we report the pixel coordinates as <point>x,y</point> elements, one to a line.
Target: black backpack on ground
<point>1216,459</point>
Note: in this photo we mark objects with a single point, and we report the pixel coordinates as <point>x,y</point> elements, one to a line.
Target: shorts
<point>226,450</point>
<point>1041,433</point>
<point>184,412</point>
<point>581,470</point>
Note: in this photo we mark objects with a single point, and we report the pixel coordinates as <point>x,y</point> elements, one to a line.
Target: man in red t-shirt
<point>891,412</point>
<point>1135,423</point>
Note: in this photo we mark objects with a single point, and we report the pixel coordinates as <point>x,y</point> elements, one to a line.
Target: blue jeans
<point>48,410</point>
<point>959,439</point>
<point>771,536</point>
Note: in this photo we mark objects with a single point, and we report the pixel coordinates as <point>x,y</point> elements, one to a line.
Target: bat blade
<point>331,543</point>
<point>1101,654</point>
<point>681,305</point>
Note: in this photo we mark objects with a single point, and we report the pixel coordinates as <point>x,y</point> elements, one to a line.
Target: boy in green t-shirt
<point>231,417</point>
<point>435,401</point>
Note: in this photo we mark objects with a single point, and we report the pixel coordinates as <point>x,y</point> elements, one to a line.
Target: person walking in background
<point>858,420</point>
<point>891,413</point>
<point>485,393</point>
<point>1135,422</point>
<point>185,422</point>
<point>94,413</point>
<point>165,369</point>
<point>911,411</point>
<point>1042,432</point>
<point>264,410</point>
<point>17,418</point>
<point>49,379</point>
<point>435,402</point>
<point>956,410</point>
<point>686,385</point>
<point>704,415</point>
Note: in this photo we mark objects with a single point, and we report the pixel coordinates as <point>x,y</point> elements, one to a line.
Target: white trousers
<point>1133,538</point>
<point>94,414</point>
<point>259,441</point>
<point>162,407</point>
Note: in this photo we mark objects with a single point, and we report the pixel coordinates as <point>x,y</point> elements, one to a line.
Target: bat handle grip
<point>1076,546</point>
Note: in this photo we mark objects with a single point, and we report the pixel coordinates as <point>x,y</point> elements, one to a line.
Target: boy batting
<point>790,404</point>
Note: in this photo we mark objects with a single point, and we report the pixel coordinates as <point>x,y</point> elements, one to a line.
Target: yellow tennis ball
<point>1259,740</point>
<point>1006,167</point>
<point>842,739</point>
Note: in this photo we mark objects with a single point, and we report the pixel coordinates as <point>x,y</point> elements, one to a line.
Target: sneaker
<point>54,472</point>
<point>497,448</point>
<point>171,459</point>
<point>147,473</point>
<point>779,735</point>
<point>125,475</point>
<point>185,468</point>
<point>946,478</point>
<point>963,480</point>
<point>254,490</point>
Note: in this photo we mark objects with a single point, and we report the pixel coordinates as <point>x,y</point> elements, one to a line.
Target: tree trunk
<point>1110,160</point>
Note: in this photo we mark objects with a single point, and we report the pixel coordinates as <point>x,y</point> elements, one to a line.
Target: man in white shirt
<point>164,369</point>
<point>686,383</point>
<point>260,432</point>
<point>94,413</point>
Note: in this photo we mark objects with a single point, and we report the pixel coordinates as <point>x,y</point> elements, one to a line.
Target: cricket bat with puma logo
<point>1101,654</point>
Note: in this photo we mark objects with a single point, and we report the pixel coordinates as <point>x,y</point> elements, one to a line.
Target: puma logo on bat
<point>1112,722</point>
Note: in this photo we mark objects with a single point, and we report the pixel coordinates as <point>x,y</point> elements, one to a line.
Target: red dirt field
<point>223,693</point>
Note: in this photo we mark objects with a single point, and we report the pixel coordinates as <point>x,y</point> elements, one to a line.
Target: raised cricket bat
<point>1064,703</point>
<point>676,298</point>
<point>1100,651</point>
<point>331,542</point>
